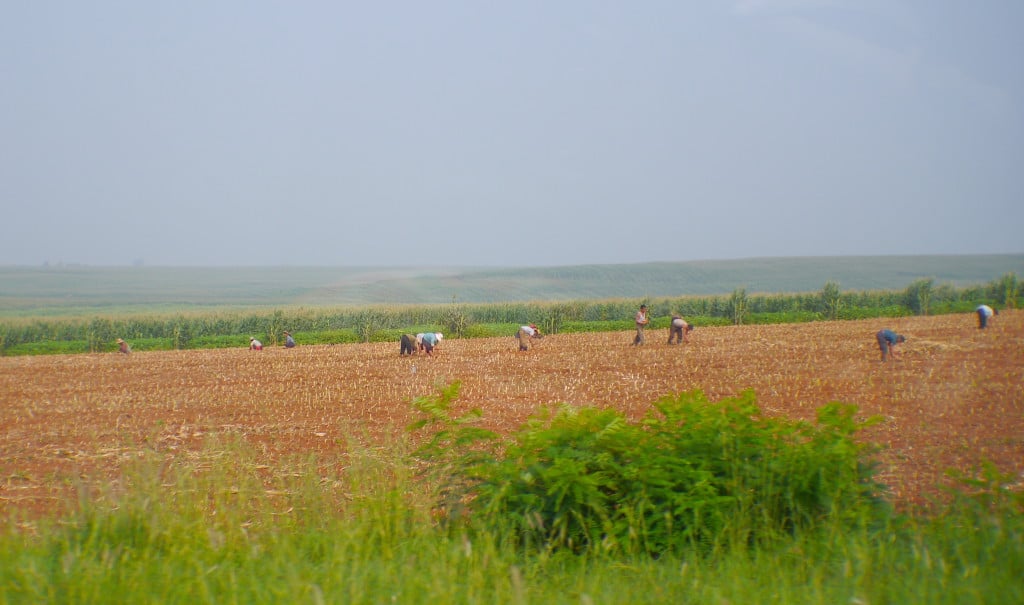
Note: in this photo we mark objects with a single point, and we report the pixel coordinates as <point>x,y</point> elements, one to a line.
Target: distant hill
<point>757,275</point>
<point>49,290</point>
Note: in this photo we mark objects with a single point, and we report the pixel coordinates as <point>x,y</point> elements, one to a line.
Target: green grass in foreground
<point>365,533</point>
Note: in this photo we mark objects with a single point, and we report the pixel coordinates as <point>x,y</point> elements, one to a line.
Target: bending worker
<point>887,341</point>
<point>678,330</point>
<point>985,313</point>
<point>429,340</point>
<point>526,334</point>
<point>409,344</point>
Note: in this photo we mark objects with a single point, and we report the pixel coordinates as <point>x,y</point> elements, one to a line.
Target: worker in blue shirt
<point>887,341</point>
<point>985,313</point>
<point>429,340</point>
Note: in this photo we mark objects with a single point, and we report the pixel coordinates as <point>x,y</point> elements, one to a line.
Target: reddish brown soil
<point>69,424</point>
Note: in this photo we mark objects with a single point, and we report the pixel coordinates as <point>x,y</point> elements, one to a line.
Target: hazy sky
<point>549,132</point>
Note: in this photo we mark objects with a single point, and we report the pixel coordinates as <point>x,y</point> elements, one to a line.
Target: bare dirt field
<point>69,424</point>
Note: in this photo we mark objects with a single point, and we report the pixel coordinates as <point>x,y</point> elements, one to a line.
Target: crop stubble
<point>67,423</point>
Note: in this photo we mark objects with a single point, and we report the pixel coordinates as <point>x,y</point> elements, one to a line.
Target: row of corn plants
<point>386,322</point>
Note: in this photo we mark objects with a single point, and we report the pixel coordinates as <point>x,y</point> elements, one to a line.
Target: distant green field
<point>60,290</point>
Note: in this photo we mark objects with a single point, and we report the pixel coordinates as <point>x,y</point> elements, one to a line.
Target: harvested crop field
<point>69,424</point>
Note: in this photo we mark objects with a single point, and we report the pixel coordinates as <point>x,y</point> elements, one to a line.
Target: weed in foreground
<point>691,476</point>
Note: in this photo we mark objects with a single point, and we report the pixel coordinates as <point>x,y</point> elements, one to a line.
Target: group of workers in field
<point>423,342</point>
<point>887,339</point>
<point>678,328</point>
<point>678,332</point>
<point>256,345</point>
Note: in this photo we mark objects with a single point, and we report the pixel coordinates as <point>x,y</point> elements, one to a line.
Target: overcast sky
<point>532,133</point>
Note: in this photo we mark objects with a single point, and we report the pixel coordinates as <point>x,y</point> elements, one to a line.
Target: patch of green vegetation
<point>491,330</point>
<point>48,347</point>
<point>691,476</point>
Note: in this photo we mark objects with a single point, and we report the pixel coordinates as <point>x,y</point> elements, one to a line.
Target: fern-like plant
<point>691,475</point>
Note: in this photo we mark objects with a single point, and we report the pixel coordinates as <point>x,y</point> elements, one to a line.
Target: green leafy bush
<point>692,475</point>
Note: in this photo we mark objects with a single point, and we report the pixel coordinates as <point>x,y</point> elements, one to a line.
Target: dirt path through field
<point>953,399</point>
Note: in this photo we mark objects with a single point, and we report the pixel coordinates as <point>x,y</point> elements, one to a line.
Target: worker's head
<point>901,338</point>
<point>643,307</point>
<point>439,335</point>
